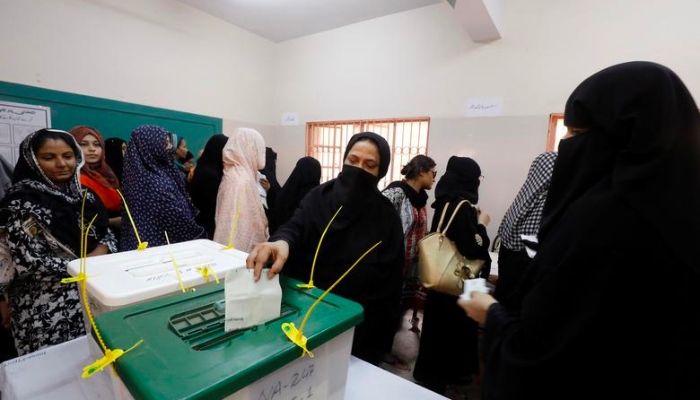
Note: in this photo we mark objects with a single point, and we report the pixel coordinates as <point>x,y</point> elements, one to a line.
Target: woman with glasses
<point>42,218</point>
<point>409,197</point>
<point>448,351</point>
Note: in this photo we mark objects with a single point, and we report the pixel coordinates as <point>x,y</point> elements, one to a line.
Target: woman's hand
<point>265,184</point>
<point>478,306</point>
<point>263,252</point>
<point>99,250</point>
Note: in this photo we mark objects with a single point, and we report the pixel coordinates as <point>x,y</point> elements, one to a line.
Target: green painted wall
<point>112,118</point>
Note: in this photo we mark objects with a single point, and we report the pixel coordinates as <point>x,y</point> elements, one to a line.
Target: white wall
<point>154,52</point>
<point>417,63</point>
<point>423,63</point>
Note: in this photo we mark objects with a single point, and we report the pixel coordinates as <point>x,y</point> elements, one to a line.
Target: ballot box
<point>130,277</point>
<point>186,353</point>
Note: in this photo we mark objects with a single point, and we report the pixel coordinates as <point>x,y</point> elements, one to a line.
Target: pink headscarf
<point>243,156</point>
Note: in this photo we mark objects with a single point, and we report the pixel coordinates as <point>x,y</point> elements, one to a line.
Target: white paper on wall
<point>16,122</point>
<point>290,119</point>
<point>484,106</point>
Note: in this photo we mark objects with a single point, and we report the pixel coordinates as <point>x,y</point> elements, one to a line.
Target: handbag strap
<point>442,217</point>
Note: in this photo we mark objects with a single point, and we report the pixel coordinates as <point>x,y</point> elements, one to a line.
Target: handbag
<point>441,266</point>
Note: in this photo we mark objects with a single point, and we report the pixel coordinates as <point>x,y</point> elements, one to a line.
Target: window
<point>326,142</point>
<point>557,130</point>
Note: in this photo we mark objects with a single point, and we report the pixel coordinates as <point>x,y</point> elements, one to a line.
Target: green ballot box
<point>186,354</point>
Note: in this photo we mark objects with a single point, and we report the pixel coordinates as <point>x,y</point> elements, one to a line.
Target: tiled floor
<point>406,345</point>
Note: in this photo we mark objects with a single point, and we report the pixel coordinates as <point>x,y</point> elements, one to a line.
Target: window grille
<point>407,137</point>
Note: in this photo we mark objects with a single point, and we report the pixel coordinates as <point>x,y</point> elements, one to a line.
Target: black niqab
<point>643,137</point>
<point>460,181</point>
<point>206,180</point>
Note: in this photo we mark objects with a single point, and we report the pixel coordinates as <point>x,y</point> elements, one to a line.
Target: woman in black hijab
<point>272,186</point>
<point>115,148</point>
<point>206,180</point>
<point>366,218</point>
<point>305,176</point>
<point>621,218</point>
<point>448,351</point>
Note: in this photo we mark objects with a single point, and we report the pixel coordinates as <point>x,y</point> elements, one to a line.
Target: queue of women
<point>607,214</point>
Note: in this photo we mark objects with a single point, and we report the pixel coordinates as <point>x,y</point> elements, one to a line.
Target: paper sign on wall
<point>484,106</point>
<point>16,122</point>
<point>290,118</point>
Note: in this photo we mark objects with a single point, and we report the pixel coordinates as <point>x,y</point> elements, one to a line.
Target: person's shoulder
<point>393,192</point>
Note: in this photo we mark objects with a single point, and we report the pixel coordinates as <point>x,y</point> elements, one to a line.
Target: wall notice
<point>484,107</point>
<point>16,122</point>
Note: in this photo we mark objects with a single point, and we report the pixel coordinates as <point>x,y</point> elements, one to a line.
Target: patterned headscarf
<point>28,168</point>
<point>155,192</point>
<point>33,193</point>
<point>100,171</point>
<point>243,156</point>
<point>524,214</point>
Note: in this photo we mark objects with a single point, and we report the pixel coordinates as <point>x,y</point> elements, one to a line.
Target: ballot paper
<point>248,302</point>
<point>475,285</point>
<point>530,242</point>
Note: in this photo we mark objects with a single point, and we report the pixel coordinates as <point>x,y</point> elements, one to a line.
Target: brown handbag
<point>441,266</point>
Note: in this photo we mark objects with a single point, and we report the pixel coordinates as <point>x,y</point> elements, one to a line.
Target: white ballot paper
<point>474,285</point>
<point>250,303</point>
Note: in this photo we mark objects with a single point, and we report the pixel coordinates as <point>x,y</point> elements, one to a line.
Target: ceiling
<point>281,20</point>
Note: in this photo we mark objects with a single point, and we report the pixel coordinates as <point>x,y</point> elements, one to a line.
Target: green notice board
<point>112,118</point>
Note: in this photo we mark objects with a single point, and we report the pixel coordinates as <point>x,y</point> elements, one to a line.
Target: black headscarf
<point>367,217</point>
<point>643,133</point>
<point>305,176</point>
<point>33,188</point>
<point>206,180</point>
<point>354,188</point>
<point>114,155</point>
<point>461,180</point>
<point>270,171</point>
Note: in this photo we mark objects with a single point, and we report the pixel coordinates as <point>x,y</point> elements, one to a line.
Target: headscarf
<point>354,188</point>
<point>100,172</point>
<point>644,135</point>
<point>524,214</point>
<point>243,156</point>
<point>270,170</point>
<point>367,217</point>
<point>32,187</point>
<point>114,156</point>
<point>460,180</point>
<point>155,192</point>
<point>204,186</point>
<point>305,176</point>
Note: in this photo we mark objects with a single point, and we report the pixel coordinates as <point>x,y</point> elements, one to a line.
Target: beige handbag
<point>441,266</point>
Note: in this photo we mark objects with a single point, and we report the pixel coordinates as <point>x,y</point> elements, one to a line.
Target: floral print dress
<point>39,236</point>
